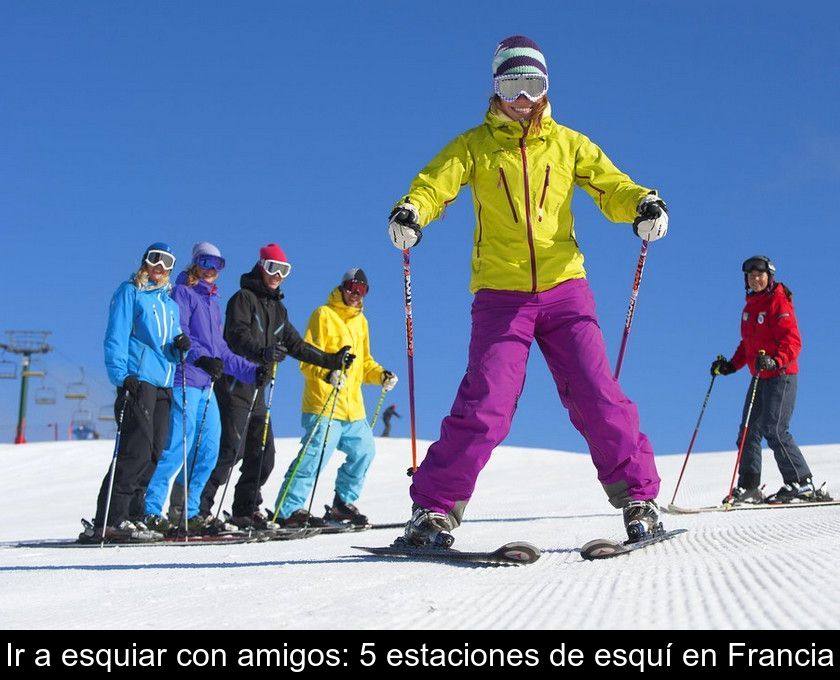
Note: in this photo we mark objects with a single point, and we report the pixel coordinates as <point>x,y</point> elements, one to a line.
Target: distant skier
<point>257,327</point>
<point>529,284</point>
<point>209,357</point>
<point>143,342</point>
<point>768,323</point>
<point>339,322</point>
<point>387,414</point>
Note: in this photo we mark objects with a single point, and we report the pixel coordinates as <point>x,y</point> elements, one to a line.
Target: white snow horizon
<point>737,570</point>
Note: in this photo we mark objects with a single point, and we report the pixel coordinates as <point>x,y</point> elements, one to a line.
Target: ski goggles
<point>509,88</point>
<point>757,264</point>
<point>276,268</point>
<point>160,257</point>
<point>210,262</point>
<point>357,287</point>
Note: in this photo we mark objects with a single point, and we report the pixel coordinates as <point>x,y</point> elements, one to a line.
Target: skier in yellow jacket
<point>338,323</point>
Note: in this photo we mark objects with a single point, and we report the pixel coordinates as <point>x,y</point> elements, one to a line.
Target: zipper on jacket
<point>480,233</point>
<point>524,154</point>
<point>157,320</point>
<point>544,192</point>
<point>503,182</point>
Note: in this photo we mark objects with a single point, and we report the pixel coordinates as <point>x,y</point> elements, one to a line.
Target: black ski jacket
<point>256,318</point>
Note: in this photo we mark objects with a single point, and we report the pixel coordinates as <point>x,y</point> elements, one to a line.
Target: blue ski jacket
<point>138,341</point>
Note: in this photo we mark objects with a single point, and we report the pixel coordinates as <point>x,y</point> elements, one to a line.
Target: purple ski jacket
<point>201,320</point>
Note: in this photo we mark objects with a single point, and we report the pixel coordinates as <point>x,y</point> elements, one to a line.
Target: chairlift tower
<point>25,343</point>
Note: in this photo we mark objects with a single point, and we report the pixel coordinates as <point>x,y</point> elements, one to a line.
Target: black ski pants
<point>771,412</point>
<point>256,464</point>
<point>144,432</point>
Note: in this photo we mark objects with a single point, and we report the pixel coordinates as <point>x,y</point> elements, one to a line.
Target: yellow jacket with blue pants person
<point>338,323</point>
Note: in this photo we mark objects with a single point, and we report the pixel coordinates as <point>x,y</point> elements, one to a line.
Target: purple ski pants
<point>504,324</point>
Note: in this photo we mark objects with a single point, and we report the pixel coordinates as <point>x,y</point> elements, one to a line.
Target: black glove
<point>765,362</point>
<point>213,366</point>
<point>722,366</point>
<point>182,343</point>
<point>272,353</point>
<point>262,376</point>
<point>340,358</point>
<point>132,385</point>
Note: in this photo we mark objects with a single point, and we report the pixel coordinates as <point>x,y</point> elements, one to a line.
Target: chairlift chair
<point>45,396</point>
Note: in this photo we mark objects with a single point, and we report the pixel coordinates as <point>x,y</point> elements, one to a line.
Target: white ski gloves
<point>389,381</point>
<point>336,379</point>
<point>402,226</point>
<point>652,222</point>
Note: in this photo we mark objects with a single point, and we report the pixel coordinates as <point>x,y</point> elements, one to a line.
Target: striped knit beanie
<point>518,55</point>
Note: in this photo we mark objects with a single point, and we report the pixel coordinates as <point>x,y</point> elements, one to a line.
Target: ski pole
<point>753,388</point>
<point>409,338</point>
<point>378,408</point>
<point>238,454</point>
<point>631,310</point>
<point>267,422</point>
<point>696,430</point>
<point>113,466</point>
<point>281,496</point>
<point>184,429</point>
<point>323,449</point>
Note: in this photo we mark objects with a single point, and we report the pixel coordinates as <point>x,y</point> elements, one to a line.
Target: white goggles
<point>509,88</point>
<point>275,267</point>
<point>160,257</point>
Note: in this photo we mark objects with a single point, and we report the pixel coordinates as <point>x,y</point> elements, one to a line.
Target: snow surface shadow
<point>464,564</point>
<point>534,519</point>
<point>178,565</point>
<point>559,551</point>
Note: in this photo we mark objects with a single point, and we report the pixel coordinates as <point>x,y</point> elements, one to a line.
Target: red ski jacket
<point>769,323</point>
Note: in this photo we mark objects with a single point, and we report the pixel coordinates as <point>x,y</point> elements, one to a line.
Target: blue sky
<point>124,123</point>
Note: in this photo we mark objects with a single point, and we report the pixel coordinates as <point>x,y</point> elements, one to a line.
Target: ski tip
<point>601,548</point>
<point>520,551</point>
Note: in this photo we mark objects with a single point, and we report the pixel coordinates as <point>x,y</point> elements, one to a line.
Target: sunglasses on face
<point>510,88</point>
<point>276,268</point>
<point>210,262</point>
<point>160,257</point>
<point>357,287</point>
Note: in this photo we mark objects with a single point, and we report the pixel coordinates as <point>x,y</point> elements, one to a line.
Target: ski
<point>168,541</point>
<point>678,510</point>
<point>603,548</point>
<point>518,552</point>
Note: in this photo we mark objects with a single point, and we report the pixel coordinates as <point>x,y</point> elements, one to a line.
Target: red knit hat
<point>272,252</point>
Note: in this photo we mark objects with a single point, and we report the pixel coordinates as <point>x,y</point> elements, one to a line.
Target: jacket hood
<point>336,302</point>
<point>509,131</point>
<point>253,281</point>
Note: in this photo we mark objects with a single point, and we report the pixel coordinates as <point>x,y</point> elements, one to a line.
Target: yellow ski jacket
<point>331,327</point>
<point>524,237</point>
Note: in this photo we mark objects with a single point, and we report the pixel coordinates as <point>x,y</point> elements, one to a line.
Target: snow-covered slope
<point>734,570</point>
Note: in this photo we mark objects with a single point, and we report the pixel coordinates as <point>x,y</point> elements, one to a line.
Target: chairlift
<point>81,425</point>
<point>77,390</point>
<point>45,396</point>
<point>8,369</point>
<point>106,414</point>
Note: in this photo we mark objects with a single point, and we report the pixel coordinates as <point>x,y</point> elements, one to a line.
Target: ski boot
<point>157,523</point>
<point>742,496</point>
<point>427,529</point>
<point>344,512</point>
<point>299,519</point>
<point>256,521</point>
<point>641,519</point>
<point>794,492</point>
<point>126,532</point>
